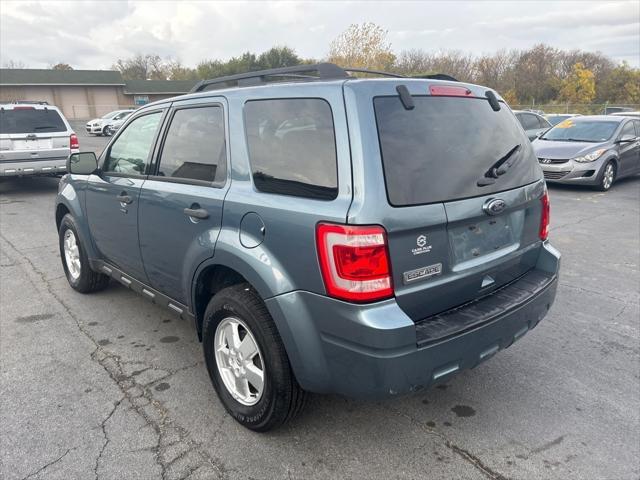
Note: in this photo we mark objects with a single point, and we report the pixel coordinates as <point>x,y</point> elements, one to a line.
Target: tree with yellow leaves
<point>579,86</point>
<point>362,46</point>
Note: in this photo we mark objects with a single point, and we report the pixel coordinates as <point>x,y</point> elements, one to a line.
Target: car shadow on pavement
<point>25,185</point>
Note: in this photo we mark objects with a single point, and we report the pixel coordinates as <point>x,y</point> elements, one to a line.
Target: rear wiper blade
<point>499,168</point>
<point>42,127</point>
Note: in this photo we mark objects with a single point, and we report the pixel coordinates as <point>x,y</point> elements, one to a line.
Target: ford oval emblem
<point>494,206</point>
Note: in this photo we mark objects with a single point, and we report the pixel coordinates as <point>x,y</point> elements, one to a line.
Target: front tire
<point>607,177</point>
<point>74,260</point>
<point>107,131</point>
<point>247,362</point>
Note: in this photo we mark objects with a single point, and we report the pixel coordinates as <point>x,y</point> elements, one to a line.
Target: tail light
<point>73,142</point>
<point>449,91</point>
<point>544,218</point>
<point>354,262</point>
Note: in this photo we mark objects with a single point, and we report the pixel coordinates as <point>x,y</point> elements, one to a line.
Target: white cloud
<point>95,34</point>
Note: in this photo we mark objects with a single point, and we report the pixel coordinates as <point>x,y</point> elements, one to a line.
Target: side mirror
<point>626,138</point>
<point>83,163</point>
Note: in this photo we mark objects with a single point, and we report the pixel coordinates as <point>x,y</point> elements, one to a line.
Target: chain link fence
<point>581,108</point>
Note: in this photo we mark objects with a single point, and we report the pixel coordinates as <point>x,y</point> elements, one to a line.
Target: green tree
<point>362,46</point>
<point>278,57</point>
<point>61,66</point>
<point>622,85</point>
<point>579,86</point>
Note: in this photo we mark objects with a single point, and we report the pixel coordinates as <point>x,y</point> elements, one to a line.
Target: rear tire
<point>75,262</point>
<point>280,398</point>
<point>607,177</point>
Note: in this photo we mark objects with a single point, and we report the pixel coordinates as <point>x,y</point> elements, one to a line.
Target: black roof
<point>37,76</point>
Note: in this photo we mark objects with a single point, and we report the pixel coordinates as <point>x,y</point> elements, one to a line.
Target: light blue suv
<point>367,237</point>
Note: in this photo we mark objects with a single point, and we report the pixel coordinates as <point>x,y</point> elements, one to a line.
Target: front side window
<point>292,147</point>
<point>130,153</point>
<point>194,147</point>
<point>628,130</point>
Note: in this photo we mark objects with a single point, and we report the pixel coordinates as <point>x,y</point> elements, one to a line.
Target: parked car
<point>35,139</point>
<point>591,150</point>
<point>626,114</point>
<point>364,237</point>
<point>100,126</point>
<point>556,118</point>
<point>114,125</point>
<point>532,123</point>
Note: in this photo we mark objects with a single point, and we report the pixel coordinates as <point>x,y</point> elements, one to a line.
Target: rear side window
<point>194,147</point>
<point>529,122</point>
<point>30,120</point>
<point>441,149</point>
<point>292,147</point>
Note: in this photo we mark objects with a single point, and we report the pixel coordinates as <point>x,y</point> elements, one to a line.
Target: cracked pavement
<point>110,386</point>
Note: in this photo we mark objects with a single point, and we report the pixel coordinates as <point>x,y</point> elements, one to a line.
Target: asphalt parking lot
<point>111,386</point>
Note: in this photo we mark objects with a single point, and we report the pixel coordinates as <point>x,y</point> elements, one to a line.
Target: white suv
<point>100,126</point>
<point>35,139</point>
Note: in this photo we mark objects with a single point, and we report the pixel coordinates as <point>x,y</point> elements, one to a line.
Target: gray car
<point>591,150</point>
<point>35,139</point>
<point>324,233</point>
<point>532,123</point>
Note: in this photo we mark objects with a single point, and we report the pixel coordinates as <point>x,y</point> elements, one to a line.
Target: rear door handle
<point>199,213</point>
<point>124,198</point>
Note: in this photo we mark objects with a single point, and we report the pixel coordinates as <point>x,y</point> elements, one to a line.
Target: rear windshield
<point>441,149</point>
<point>31,120</point>
<point>582,131</point>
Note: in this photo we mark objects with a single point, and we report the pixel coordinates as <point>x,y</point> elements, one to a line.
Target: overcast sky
<point>92,35</point>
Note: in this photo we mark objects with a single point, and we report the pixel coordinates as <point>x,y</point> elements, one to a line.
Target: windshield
<point>445,147</point>
<point>594,131</point>
<point>30,120</point>
<point>111,114</point>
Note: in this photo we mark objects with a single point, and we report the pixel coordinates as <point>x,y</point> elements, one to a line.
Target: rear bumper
<point>374,351</point>
<point>42,166</point>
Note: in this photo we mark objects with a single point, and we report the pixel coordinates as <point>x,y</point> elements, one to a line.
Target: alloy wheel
<point>239,361</point>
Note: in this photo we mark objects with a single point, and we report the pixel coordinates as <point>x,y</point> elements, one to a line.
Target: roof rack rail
<point>309,72</point>
<point>374,72</point>
<point>325,71</point>
<point>29,102</point>
<point>437,76</point>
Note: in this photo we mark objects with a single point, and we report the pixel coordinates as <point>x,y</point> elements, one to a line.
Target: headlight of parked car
<point>590,157</point>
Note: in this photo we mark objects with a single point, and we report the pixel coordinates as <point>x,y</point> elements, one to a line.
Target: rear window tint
<point>441,149</point>
<point>292,147</point>
<point>194,148</point>
<point>31,120</point>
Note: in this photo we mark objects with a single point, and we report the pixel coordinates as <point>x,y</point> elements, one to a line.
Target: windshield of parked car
<point>444,147</point>
<point>30,120</point>
<point>111,114</point>
<point>581,131</point>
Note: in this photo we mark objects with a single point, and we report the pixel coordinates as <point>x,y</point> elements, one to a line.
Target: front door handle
<point>124,198</point>
<point>199,213</point>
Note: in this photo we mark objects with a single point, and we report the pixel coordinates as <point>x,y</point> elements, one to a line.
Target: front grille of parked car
<point>550,161</point>
<point>554,175</point>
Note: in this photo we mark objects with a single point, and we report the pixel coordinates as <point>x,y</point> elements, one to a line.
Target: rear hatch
<point>455,159</point>
<point>32,133</point>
